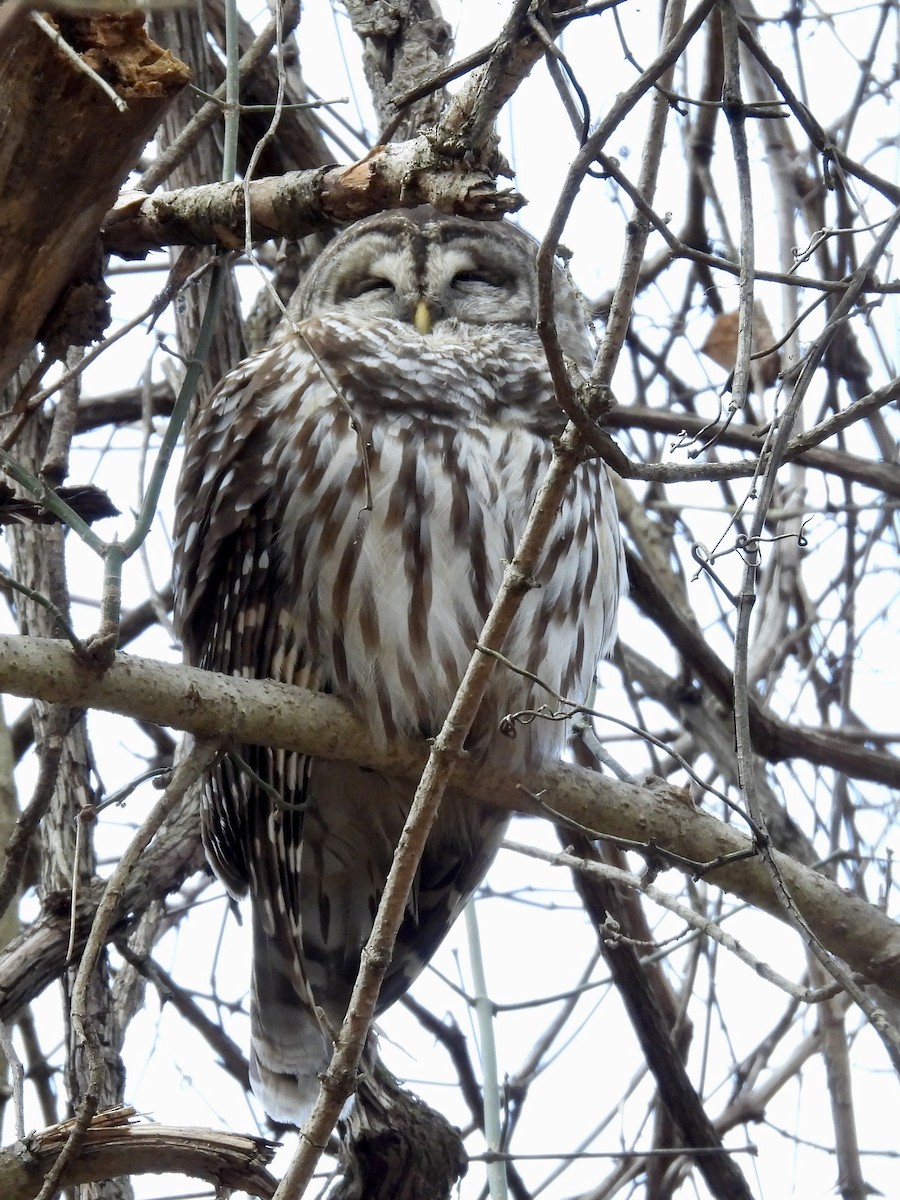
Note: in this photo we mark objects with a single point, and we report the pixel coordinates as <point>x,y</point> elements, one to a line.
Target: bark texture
<point>114,1146</point>
<point>65,150</point>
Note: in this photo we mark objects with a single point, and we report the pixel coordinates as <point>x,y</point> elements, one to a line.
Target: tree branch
<point>401,175</point>
<point>64,139</point>
<point>658,816</point>
<point>114,1147</point>
<point>803,449</point>
<point>772,737</point>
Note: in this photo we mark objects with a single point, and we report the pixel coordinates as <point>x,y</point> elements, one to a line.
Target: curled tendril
<point>526,716</point>
<point>752,544</point>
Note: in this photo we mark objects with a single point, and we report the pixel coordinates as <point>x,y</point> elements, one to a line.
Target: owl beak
<point>422,318</point>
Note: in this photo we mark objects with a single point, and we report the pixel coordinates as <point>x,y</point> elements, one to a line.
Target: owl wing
<point>232,613</point>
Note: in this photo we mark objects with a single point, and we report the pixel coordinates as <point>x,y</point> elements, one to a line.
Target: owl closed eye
<point>478,273</point>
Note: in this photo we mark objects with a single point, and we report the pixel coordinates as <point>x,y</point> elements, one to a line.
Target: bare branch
<point>267,713</point>
<point>395,176</point>
<point>114,1146</point>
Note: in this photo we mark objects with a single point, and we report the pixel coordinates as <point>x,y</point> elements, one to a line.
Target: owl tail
<point>288,1048</point>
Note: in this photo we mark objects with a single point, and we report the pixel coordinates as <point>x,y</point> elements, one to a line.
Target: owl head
<point>428,269</point>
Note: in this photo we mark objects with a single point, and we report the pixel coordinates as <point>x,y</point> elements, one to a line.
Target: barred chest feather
<point>407,494</point>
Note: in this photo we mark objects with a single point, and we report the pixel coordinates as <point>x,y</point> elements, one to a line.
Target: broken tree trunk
<point>65,149</point>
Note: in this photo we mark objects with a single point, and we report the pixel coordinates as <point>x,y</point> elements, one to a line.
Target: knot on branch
<point>428,169</point>
<point>596,399</point>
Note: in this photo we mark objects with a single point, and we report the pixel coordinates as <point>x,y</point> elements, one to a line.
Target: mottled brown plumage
<point>412,377</point>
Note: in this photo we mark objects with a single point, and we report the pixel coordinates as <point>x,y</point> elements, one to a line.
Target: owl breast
<point>410,473</point>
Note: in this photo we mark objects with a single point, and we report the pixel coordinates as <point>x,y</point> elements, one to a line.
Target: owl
<point>349,499</point>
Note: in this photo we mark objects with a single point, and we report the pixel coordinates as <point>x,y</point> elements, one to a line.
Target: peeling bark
<point>114,1147</point>
<point>65,151</point>
<point>396,176</point>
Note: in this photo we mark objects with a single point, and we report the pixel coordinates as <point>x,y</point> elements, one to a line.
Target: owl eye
<point>372,283</point>
<point>484,278</point>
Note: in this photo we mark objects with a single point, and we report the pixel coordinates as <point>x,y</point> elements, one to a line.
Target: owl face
<point>437,272</point>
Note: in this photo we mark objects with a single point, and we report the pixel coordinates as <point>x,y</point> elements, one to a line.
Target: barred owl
<point>348,500</point>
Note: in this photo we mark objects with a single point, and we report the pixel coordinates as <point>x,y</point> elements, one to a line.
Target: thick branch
<point>269,713</point>
<point>302,202</point>
<point>437,169</point>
